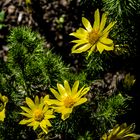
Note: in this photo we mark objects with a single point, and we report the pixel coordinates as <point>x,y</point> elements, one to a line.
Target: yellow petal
<point>132,135</point>
<point>45,108</point>
<point>49,116</point>
<point>121,133</point>
<point>84,91</point>
<point>130,128</point>
<point>110,136</point>
<point>26,114</point>
<point>96,20</point>
<point>91,50</point>
<point>41,100</point>
<point>77,35</point>
<point>103,22</point>
<point>29,111</point>
<point>66,113</point>
<point>63,110</point>
<point>80,33</point>
<point>102,47</point>
<point>87,24</point>
<point>105,35</point>
<point>46,100</point>
<point>104,137</point>
<point>49,112</point>
<point>26,121</point>
<point>106,41</point>
<point>108,28</point>
<point>36,100</point>
<point>46,97</point>
<point>80,41</point>
<point>30,103</point>
<point>55,93</point>
<point>54,102</point>
<point>2,115</point>
<point>41,105</point>
<point>75,87</point>
<point>44,129</point>
<point>66,110</point>
<point>77,46</point>
<point>35,124</point>
<point>81,101</point>
<point>116,130</point>
<point>78,93</point>
<point>58,109</point>
<point>43,123</point>
<point>62,90</point>
<point>126,130</point>
<point>82,48</point>
<point>109,48</point>
<point>47,122</point>
<point>67,87</point>
<point>65,116</point>
<point>4,99</point>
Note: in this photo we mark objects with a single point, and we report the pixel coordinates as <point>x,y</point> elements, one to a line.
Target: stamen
<point>93,36</point>
<point>38,115</point>
<point>68,102</point>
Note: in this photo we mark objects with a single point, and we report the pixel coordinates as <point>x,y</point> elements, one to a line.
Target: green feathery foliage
<point>33,66</point>
<point>126,13</point>
<point>108,110</point>
<point>94,66</point>
<point>87,136</point>
<point>120,8</point>
<point>73,76</point>
<point>29,70</point>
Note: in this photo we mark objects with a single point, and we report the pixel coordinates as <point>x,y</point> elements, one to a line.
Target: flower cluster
<point>38,113</point>
<point>41,110</point>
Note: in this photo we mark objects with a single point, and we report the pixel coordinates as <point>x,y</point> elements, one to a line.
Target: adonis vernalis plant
<point>3,102</point>
<point>95,37</point>
<point>67,98</point>
<point>38,114</point>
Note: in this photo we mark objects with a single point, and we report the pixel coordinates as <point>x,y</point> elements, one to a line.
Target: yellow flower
<point>3,102</point>
<point>67,99</point>
<point>121,132</point>
<point>94,37</point>
<point>38,114</point>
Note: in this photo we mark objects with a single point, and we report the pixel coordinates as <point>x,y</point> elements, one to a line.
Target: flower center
<point>93,36</point>
<point>38,115</point>
<point>68,102</point>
